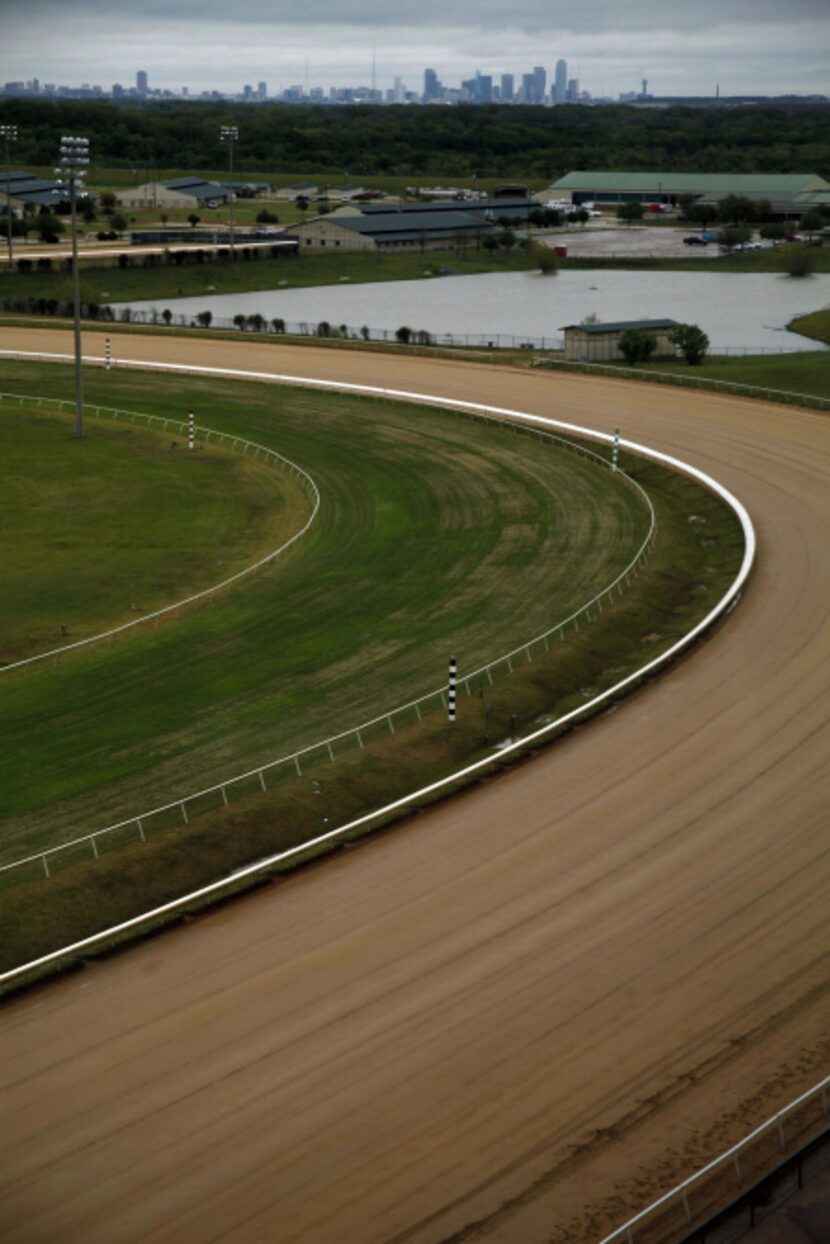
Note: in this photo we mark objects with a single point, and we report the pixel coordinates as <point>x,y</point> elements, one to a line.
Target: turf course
<point>122,523</point>
<point>436,536</point>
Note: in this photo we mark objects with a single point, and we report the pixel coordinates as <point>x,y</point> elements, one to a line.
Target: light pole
<point>230,134</point>
<point>9,133</point>
<point>73,161</point>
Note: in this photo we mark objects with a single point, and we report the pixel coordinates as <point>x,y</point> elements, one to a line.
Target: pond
<point>739,312</point>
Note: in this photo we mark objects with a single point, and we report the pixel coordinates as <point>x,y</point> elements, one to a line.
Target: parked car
<point>694,239</point>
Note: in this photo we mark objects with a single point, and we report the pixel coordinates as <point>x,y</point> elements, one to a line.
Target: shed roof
<point>620,326</point>
<point>403,222</point>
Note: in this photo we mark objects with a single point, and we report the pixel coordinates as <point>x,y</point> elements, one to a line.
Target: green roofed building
<point>657,187</point>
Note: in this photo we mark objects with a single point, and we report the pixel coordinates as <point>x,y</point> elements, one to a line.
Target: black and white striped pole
<point>107,355</point>
<point>615,454</point>
<point>191,430</point>
<point>451,688</point>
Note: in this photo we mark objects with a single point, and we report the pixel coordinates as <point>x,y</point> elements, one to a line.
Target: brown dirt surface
<point>527,1011</point>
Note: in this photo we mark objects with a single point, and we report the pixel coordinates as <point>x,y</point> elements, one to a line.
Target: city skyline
<point>745,46</point>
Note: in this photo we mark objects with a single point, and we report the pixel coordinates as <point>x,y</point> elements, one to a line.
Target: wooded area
<point>529,142</point>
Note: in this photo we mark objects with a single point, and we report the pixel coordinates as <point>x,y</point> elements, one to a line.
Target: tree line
<point>528,142</point>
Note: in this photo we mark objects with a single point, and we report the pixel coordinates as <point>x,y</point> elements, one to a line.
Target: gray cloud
<point>746,45</point>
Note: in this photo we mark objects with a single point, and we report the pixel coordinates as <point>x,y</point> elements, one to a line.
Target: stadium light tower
<point>9,134</point>
<point>230,134</point>
<point>74,159</point>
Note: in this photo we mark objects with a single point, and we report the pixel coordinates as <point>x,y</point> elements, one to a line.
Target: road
<point>521,1014</point>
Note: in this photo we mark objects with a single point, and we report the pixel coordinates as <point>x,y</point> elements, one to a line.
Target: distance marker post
<point>615,453</point>
<point>191,430</point>
<point>451,688</point>
<point>107,355</point>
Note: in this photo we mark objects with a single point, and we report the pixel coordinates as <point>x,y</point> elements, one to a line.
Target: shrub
<point>798,259</point>
<point>691,341</point>
<point>637,345</point>
<point>204,318</point>
<point>404,334</point>
<point>278,324</point>
<point>545,258</point>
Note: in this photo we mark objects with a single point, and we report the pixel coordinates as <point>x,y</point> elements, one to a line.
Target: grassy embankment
<point>806,373</point>
<point>450,538</point>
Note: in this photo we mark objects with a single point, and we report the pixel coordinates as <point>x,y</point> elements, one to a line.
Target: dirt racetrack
<point>521,1014</point>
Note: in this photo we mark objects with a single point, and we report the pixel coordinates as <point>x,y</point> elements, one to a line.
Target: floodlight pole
<point>73,161</point>
<point>230,134</point>
<point>9,133</point>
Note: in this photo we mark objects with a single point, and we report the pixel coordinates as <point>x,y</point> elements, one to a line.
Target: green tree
<point>267,218</point>
<point>49,227</point>
<point>774,232</point>
<point>506,239</point>
<point>691,341</point>
<point>544,257</point>
<point>812,221</point>
<point>736,209</point>
<point>798,259</point>
<point>193,220</point>
<point>167,316</point>
<point>107,200</point>
<point>404,334</point>
<point>629,212</point>
<point>702,214</point>
<point>733,236</point>
<point>118,222</point>
<point>637,345</point>
<point>204,318</point>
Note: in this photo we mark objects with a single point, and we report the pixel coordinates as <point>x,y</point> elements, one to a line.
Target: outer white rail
<point>535,737</point>
<point>682,1190</point>
<point>400,715</point>
<point>164,423</point>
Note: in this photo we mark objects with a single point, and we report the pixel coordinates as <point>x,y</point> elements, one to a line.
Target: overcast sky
<point>681,46</point>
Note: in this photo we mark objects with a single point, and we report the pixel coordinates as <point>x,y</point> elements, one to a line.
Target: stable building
<point>367,231</point>
<point>600,343</point>
<point>657,187</point>
<point>23,190</point>
<point>184,193</point>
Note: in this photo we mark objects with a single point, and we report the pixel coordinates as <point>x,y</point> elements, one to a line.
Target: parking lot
<point>601,238</point>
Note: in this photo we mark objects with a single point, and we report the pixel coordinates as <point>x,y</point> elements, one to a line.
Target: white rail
<point>534,738</point>
<point>682,1190</point>
<point>235,443</point>
<point>389,719</point>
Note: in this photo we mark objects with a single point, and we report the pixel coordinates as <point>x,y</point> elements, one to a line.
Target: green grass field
<point>122,523</point>
<point>437,536</point>
<point>806,373</point>
<point>816,325</point>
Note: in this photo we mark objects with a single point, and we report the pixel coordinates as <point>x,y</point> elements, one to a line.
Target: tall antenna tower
<point>373,71</point>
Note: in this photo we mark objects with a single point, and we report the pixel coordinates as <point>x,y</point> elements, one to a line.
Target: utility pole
<point>9,133</point>
<point>230,134</point>
<point>74,159</point>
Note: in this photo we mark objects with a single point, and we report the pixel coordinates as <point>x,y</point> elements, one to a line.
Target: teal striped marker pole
<point>615,455</point>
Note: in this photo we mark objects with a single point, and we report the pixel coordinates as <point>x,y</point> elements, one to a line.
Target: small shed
<point>600,343</point>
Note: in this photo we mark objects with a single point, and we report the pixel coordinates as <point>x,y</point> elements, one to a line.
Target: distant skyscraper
<point>262,90</point>
<point>432,87</point>
<point>540,79</point>
<point>560,82</point>
<point>573,89</point>
<point>528,88</point>
<point>507,87</point>
<point>141,82</point>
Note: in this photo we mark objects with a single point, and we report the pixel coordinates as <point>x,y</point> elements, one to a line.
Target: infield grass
<point>437,536</point>
<point>122,523</point>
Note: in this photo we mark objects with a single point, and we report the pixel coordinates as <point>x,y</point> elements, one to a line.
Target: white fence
<point>135,827</point>
<point>208,435</point>
<point>683,1196</point>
